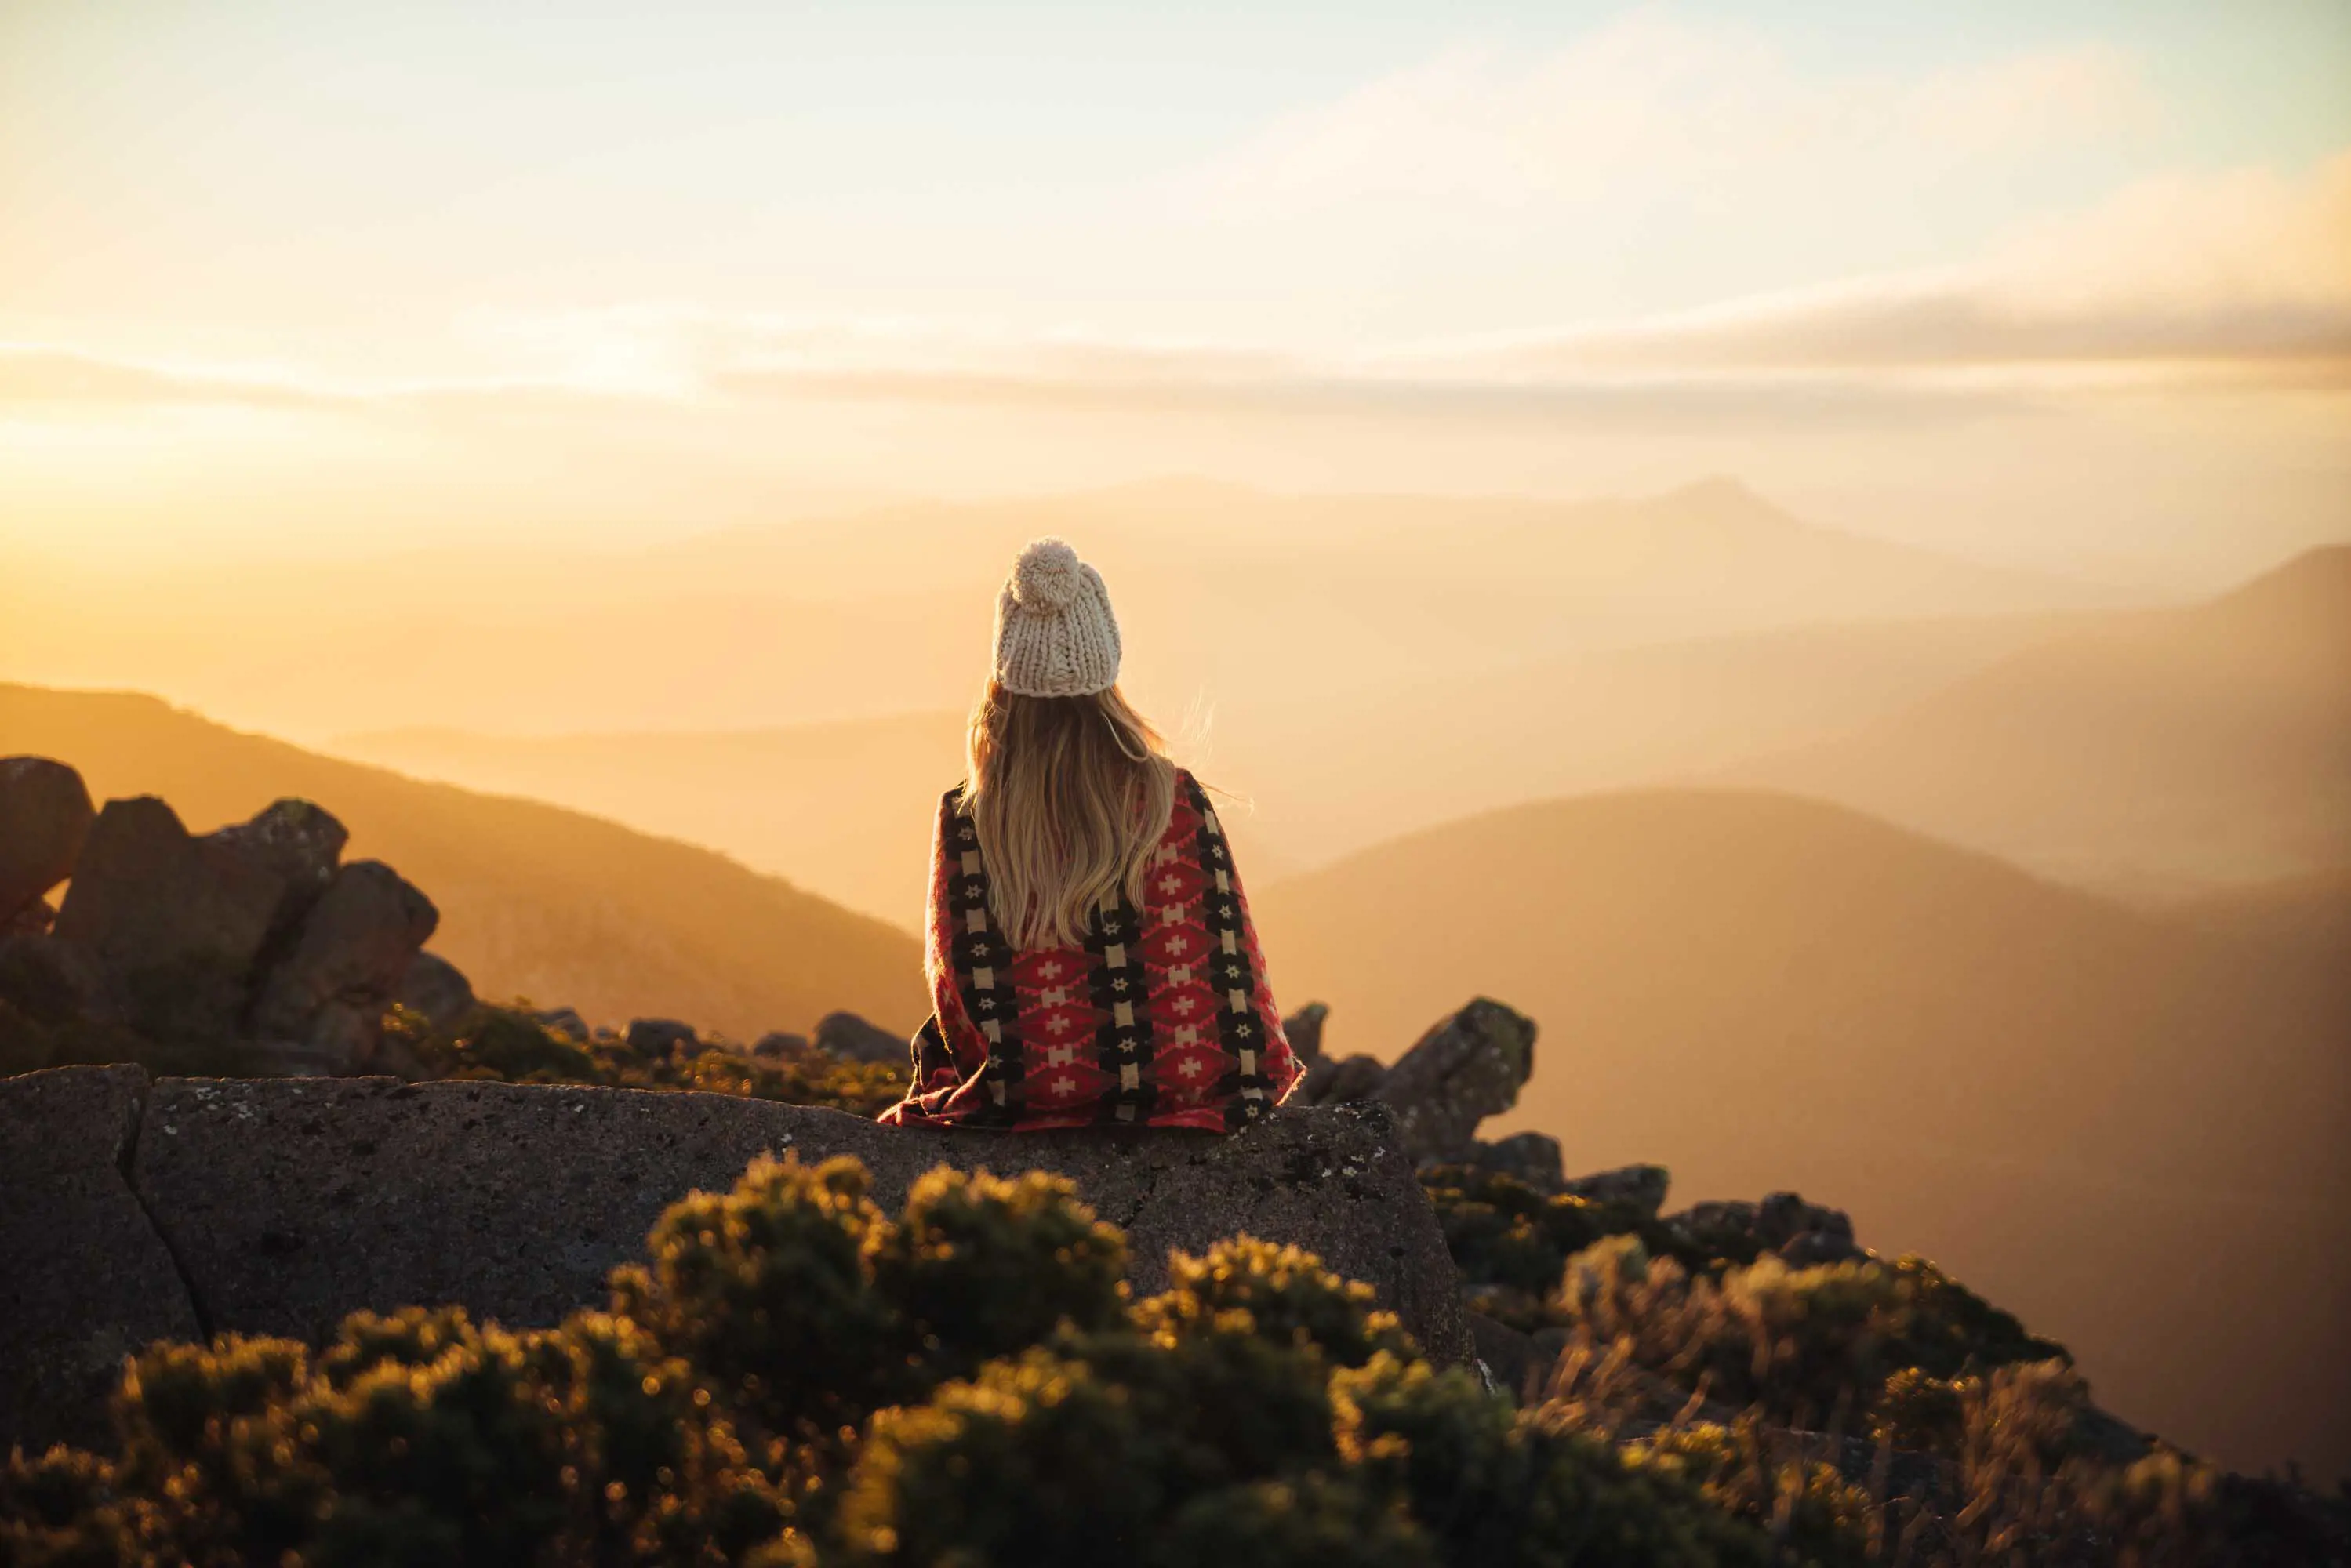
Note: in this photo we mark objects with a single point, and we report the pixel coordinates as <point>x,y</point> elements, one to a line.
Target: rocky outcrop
<point>1800,1232</point>
<point>45,817</point>
<point>247,949</point>
<point>850,1038</point>
<point>1469,1065</point>
<point>1303,1029</point>
<point>85,1279</point>
<point>567,1021</point>
<point>290,1202</point>
<point>1533,1158</point>
<point>1466,1068</point>
<point>1640,1187</point>
<point>660,1037</point>
<point>436,990</point>
<point>322,1006</point>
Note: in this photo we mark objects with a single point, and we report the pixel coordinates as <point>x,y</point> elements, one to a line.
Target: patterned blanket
<point>1162,1019</point>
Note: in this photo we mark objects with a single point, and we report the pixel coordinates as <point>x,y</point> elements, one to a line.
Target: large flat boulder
<point>84,1278</point>
<point>292,1202</point>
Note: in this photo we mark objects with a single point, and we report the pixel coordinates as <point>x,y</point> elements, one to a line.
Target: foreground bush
<point>793,1376</point>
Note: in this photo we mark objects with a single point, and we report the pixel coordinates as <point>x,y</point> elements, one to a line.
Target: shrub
<point>792,1376</point>
<point>510,1045</point>
<point>1804,1346</point>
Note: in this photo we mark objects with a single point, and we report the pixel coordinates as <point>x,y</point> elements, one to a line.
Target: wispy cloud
<point>1656,105</point>
<point>2239,279</point>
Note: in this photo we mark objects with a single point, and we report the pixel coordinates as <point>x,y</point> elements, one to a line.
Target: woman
<point>1090,953</point>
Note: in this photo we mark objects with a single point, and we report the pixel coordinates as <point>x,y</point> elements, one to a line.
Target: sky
<point>2059,284</point>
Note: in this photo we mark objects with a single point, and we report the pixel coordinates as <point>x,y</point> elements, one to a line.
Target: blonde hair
<point>1070,795</point>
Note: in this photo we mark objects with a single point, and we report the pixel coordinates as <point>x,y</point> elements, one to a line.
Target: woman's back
<point>1083,968</point>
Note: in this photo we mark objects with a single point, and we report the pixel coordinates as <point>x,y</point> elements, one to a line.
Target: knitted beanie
<point>1055,634</point>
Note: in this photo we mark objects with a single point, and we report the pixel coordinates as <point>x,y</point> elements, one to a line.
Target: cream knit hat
<point>1055,634</point>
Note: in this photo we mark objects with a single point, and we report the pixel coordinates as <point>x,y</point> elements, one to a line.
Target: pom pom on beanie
<point>1048,576</point>
<point>1055,634</point>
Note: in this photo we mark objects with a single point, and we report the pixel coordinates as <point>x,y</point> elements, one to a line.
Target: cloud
<point>40,374</point>
<point>2239,279</point>
<point>1651,106</point>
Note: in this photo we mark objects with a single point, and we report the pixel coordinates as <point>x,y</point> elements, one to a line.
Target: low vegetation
<point>511,1045</point>
<point>793,1376</point>
<point>1864,1411</point>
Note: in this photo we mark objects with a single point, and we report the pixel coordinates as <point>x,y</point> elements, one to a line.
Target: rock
<point>1466,1068</point>
<point>851,1038</point>
<point>1803,1233</point>
<point>177,923</point>
<point>322,1006</point>
<point>294,1201</point>
<point>1726,1226</point>
<point>45,818</point>
<point>567,1021</point>
<point>438,990</point>
<point>1508,1355</point>
<point>1330,1082</point>
<point>1530,1158</point>
<point>779,1042</point>
<point>84,1278</point>
<point>1818,1246</point>
<point>47,988</point>
<point>1800,1232</point>
<point>1641,1187</point>
<point>662,1036</point>
<point>50,981</point>
<point>33,920</point>
<point>1304,1028</point>
<point>1782,1217</point>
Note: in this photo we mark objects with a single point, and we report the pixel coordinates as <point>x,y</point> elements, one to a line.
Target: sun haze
<point>1807,548</point>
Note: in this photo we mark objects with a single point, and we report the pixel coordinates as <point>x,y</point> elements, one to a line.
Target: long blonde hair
<point>1070,795</point>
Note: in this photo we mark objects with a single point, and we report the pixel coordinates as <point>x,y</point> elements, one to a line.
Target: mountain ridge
<point>536,900</point>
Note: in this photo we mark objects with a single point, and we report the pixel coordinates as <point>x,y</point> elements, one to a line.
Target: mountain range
<point>536,901</point>
<point>2129,1128</point>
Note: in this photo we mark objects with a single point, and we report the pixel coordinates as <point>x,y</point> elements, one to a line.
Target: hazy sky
<point>2060,282</point>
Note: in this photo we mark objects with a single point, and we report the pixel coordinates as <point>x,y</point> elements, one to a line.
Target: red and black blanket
<point>1162,1019</point>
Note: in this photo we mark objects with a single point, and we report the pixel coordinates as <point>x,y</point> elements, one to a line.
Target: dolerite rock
<point>1303,1029</point>
<point>34,919</point>
<point>850,1038</point>
<point>567,1021</point>
<point>321,1008</point>
<point>45,818</point>
<point>1530,1158</point>
<point>84,1278</point>
<point>47,988</point>
<point>1507,1354</point>
<point>1803,1233</point>
<point>1466,1068</point>
<point>291,1202</point>
<point>1334,1081</point>
<point>661,1036</point>
<point>1642,1188</point>
<point>1800,1232</point>
<point>436,989</point>
<point>178,924</point>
